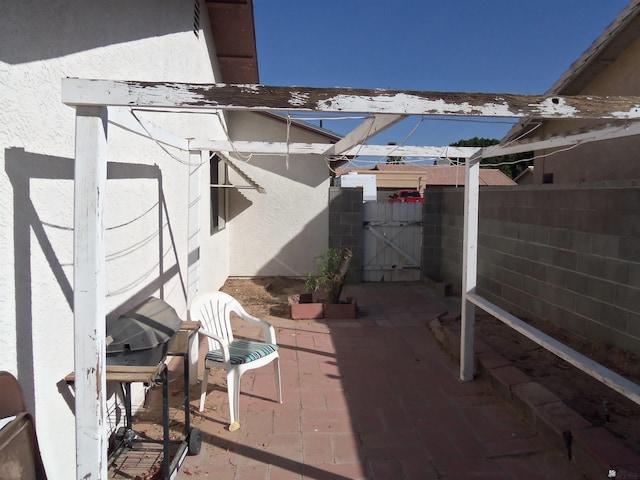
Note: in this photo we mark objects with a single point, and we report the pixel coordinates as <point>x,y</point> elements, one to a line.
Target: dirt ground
<point>268,296</point>
<point>578,390</point>
<point>265,295</point>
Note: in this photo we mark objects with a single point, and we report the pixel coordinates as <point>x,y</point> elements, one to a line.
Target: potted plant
<point>326,285</point>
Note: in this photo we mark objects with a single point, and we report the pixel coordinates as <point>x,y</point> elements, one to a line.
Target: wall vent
<point>196,18</point>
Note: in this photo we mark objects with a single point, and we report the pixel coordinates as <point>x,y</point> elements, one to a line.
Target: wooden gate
<point>392,249</point>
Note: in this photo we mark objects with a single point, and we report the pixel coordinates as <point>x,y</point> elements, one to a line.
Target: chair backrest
<point>19,452</point>
<point>11,397</point>
<point>214,310</point>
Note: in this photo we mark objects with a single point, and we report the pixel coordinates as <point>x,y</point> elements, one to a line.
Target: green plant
<point>331,268</point>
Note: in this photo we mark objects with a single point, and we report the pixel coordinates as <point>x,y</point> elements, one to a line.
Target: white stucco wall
<point>609,160</point>
<point>281,231</point>
<point>42,42</point>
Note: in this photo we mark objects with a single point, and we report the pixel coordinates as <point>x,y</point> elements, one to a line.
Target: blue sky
<point>501,46</point>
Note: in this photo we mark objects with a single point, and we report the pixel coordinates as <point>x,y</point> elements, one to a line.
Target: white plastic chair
<point>213,310</point>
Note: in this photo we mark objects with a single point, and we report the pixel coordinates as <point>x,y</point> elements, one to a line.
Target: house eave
<point>621,33</point>
<point>232,25</point>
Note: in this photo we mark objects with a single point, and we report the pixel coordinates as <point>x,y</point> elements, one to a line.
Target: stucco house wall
<point>146,207</point>
<point>610,160</point>
<point>281,231</point>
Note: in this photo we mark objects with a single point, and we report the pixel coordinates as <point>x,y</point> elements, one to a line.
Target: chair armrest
<point>225,349</point>
<point>270,334</point>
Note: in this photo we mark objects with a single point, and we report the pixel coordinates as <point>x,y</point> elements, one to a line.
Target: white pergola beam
<point>367,129</point>
<point>606,133</point>
<point>89,292</point>
<point>127,120</point>
<point>610,378</point>
<point>77,91</point>
<point>282,148</point>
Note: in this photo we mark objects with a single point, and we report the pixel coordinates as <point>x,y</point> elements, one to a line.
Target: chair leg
<point>233,391</point>
<point>203,391</point>
<point>276,368</point>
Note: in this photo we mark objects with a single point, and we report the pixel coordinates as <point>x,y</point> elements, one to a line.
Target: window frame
<point>218,175</point>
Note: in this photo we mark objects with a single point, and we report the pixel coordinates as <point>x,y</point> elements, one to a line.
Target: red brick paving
<point>375,398</point>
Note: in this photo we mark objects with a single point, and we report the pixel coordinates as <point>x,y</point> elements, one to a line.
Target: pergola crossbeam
<point>127,120</point>
<point>604,133</point>
<point>610,378</point>
<point>343,100</point>
<point>367,129</point>
<point>283,148</point>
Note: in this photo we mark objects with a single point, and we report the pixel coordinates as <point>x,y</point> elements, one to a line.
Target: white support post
<point>196,160</point>
<point>89,292</point>
<point>469,265</point>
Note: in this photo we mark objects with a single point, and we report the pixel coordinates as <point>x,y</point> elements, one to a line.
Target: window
<point>217,192</point>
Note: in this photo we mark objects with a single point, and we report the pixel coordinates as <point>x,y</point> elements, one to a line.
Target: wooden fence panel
<point>392,245</point>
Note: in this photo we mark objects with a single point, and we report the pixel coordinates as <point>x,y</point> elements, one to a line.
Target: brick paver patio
<point>373,398</point>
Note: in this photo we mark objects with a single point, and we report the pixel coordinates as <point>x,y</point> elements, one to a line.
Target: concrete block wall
<point>432,234</point>
<point>567,255</point>
<point>346,216</point>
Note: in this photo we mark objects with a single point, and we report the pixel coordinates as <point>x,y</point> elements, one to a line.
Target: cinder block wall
<point>432,234</point>
<point>346,215</point>
<point>567,255</point>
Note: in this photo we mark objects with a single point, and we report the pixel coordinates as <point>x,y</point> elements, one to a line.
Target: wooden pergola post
<point>196,162</point>
<point>89,292</point>
<point>469,265</point>
<point>196,159</point>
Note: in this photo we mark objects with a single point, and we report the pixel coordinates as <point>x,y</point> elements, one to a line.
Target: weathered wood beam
<point>343,100</point>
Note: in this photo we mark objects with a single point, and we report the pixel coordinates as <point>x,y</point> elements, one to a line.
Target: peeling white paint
<point>556,106</point>
<point>633,113</point>
<point>298,99</point>
<point>406,103</point>
<point>175,95</point>
<point>495,110</point>
<point>169,90</point>
<point>248,87</point>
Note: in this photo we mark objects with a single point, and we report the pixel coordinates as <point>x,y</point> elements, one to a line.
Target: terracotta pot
<point>340,310</point>
<point>301,311</point>
<point>302,307</point>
